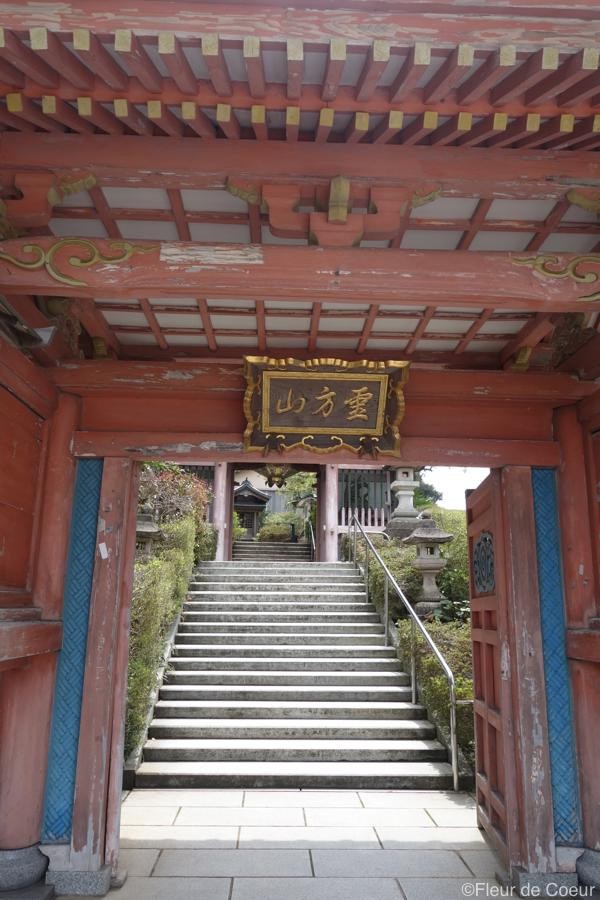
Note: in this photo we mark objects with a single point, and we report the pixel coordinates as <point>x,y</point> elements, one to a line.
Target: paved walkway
<point>301,845</point>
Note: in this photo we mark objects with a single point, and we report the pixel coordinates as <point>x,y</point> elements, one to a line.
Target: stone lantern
<point>147,532</point>
<point>403,517</point>
<point>428,539</point>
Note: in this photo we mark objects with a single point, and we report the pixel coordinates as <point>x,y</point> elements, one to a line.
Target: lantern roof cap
<point>427,532</point>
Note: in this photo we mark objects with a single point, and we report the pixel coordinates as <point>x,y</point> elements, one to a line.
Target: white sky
<point>453,482</point>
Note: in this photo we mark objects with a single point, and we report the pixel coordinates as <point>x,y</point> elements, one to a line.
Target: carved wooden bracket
<point>39,193</point>
<point>341,214</point>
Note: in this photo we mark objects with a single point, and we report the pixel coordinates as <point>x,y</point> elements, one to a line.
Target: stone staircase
<point>279,677</point>
<point>270,551</point>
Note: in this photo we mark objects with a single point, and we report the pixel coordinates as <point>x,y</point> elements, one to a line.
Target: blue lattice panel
<point>64,739</point>
<point>565,789</point>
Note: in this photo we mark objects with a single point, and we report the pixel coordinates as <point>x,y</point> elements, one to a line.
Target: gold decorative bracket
<point>577,269</point>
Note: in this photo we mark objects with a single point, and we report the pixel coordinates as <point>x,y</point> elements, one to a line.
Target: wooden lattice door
<point>492,705</point>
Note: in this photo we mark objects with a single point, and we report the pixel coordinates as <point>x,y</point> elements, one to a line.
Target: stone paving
<point>301,845</point>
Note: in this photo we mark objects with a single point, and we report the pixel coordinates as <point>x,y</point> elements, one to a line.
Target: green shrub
<point>454,641</point>
<point>276,526</point>
<point>205,545</point>
<point>274,533</point>
<point>159,588</point>
<point>238,530</point>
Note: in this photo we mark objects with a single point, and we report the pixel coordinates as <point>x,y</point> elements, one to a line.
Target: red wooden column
<point>87,870</point>
<point>27,685</point>
<point>330,514</point>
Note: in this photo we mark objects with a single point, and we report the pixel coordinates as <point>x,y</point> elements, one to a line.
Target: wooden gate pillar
<point>86,751</point>
<point>330,514</point>
<point>223,508</point>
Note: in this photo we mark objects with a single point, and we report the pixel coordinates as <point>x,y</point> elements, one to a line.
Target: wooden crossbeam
<point>21,57</point>
<point>161,162</point>
<point>414,66</point>
<point>104,212</point>
<point>197,120</point>
<point>99,116</point>
<point>227,121</point>
<point>388,127</point>
<point>21,106</point>
<point>162,116</point>
<point>132,117</point>
<point>295,68</point>
<point>207,324</point>
<point>65,115</point>
<point>455,67</point>
<point>577,67</point>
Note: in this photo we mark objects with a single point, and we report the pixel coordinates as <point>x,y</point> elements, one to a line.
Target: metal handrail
<point>415,624</point>
<point>313,546</point>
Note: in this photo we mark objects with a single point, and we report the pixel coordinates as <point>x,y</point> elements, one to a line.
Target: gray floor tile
<point>302,798</point>
<point>483,863</point>
<point>443,888</point>
<point>239,816</point>
<point>148,815</point>
<point>417,799</point>
<point>234,863</point>
<point>454,818</point>
<point>308,837</point>
<point>151,797</point>
<point>178,889</point>
<point>387,863</point>
<point>315,889</point>
<point>431,838</point>
<point>172,836</point>
<point>415,818</point>
<point>138,862</point>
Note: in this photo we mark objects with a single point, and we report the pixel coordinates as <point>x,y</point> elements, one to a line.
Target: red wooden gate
<point>491,677</point>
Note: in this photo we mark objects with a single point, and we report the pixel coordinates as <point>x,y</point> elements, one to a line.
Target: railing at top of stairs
<point>311,534</point>
<point>354,528</point>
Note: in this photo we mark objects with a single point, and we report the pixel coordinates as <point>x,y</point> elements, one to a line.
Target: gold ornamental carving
<point>324,405</point>
<point>577,269</point>
<point>85,255</point>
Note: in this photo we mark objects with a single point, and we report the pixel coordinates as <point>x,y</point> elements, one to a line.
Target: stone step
<point>267,774</point>
<point>235,607</point>
<point>197,749</point>
<point>276,649</point>
<point>284,677</point>
<point>294,729</point>
<point>276,637</point>
<point>260,583</point>
<point>293,566</point>
<point>312,665</point>
<point>301,709</point>
<point>323,595</point>
<point>275,576</point>
<point>284,693</point>
<point>288,616</point>
<point>270,627</point>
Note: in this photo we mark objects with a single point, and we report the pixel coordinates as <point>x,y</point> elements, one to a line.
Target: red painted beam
<point>406,276</point>
<point>160,162</point>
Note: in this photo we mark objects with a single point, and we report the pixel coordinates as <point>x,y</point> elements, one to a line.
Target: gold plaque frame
<point>380,437</point>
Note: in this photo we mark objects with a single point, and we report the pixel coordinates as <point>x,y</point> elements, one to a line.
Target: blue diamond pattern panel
<point>66,713</point>
<point>565,787</point>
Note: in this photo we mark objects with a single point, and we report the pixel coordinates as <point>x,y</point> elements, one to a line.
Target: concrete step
<point>318,568</point>
<point>323,595</point>
<point>235,607</point>
<point>306,666</point>
<point>296,729</point>
<point>260,583</point>
<point>276,637</point>
<point>232,693</point>
<point>270,627</point>
<point>301,709</point>
<point>284,677</point>
<point>281,750</point>
<point>288,649</point>
<point>275,576</point>
<point>290,616</point>
<point>382,775</point>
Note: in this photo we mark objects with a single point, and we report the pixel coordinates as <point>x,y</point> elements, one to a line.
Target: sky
<point>453,482</point>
